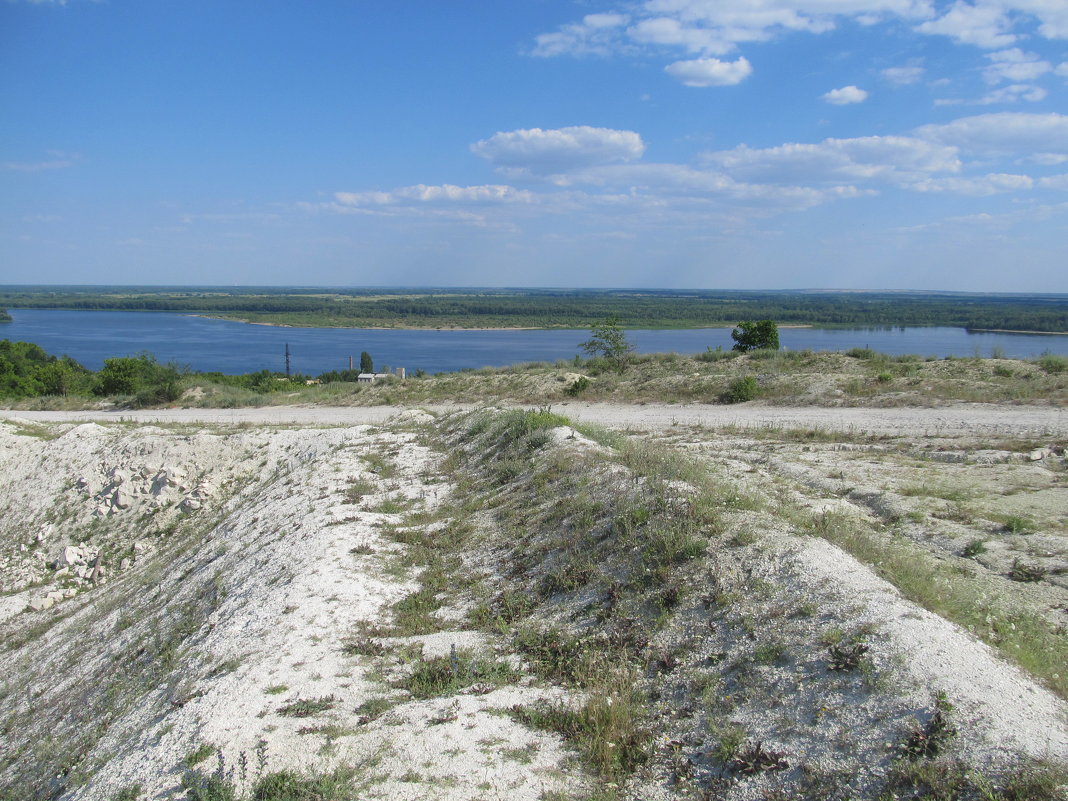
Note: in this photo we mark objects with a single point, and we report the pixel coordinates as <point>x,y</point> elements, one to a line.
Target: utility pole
<point>287,360</point>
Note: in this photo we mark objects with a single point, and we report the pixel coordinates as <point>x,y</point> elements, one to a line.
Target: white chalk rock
<point>40,604</point>
<point>70,556</point>
<point>121,499</point>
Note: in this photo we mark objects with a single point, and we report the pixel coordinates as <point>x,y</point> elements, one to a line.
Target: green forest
<point>543,308</point>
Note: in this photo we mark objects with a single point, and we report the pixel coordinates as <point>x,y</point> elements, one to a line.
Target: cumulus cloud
<point>1015,65</point>
<point>981,186</point>
<point>1013,94</point>
<point>1054,182</point>
<point>444,193</point>
<point>535,151</point>
<point>709,71</point>
<point>1004,133</point>
<point>716,27</point>
<point>897,159</point>
<point>57,160</point>
<point>985,25</point>
<point>903,76</point>
<point>845,96</point>
<point>596,34</point>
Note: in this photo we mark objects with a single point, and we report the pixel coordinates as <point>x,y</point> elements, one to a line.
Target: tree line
<point>575,308</point>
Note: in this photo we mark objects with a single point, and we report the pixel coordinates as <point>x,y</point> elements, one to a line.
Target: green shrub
<point>580,385</point>
<point>740,390</point>
<point>861,353</point>
<point>759,335</point>
<point>1053,364</point>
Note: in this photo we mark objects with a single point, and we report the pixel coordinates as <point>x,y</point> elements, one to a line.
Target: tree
<point>609,340</point>
<point>759,335</point>
<point>367,364</point>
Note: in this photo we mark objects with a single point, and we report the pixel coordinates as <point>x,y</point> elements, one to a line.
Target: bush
<point>759,335</point>
<point>142,376</point>
<point>1053,364</point>
<point>580,385</point>
<point>741,390</point>
<point>608,340</point>
<point>861,353</point>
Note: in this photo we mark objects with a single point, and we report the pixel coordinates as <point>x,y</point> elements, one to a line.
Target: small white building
<point>370,378</point>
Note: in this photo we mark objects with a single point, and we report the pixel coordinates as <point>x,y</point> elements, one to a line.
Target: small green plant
<point>1053,364</point>
<point>1026,573</point>
<point>276,689</point>
<point>757,759</point>
<point>129,793</point>
<point>741,390</point>
<point>1019,524</point>
<point>363,646</point>
<point>304,708</point>
<point>577,387</point>
<point>357,489</point>
<point>768,653</point>
<point>445,675</point>
<point>729,740</point>
<point>930,739</point>
<point>607,729</point>
<point>974,549</point>
<point>861,353</point>
<point>846,657</point>
<point>198,755</point>
<point>372,709</point>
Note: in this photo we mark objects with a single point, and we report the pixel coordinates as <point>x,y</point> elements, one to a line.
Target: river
<point>205,344</point>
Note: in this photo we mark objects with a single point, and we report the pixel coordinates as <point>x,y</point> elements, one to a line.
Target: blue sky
<point>655,143</point>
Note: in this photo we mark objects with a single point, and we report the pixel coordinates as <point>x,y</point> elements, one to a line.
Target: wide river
<point>219,345</point>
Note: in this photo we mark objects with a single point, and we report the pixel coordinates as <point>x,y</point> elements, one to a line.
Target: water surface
<point>229,347</point>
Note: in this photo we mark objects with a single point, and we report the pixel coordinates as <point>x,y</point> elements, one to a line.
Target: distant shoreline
<point>474,328</point>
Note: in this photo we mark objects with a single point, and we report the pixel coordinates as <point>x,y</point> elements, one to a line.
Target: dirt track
<point>977,420</point>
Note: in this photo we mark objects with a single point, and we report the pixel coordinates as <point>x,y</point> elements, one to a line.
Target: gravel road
<point>964,420</point>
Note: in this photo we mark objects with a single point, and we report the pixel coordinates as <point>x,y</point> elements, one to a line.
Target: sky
<point>720,144</point>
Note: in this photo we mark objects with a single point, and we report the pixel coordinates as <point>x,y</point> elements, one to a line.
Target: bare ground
<point>285,539</point>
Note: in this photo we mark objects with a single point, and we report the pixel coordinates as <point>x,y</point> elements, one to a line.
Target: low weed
<point>1018,524</point>
<point>1022,636</point>
<point>608,729</point>
<point>308,707</point>
<point>198,755</point>
<point>930,738</point>
<point>1053,364</point>
<point>447,675</point>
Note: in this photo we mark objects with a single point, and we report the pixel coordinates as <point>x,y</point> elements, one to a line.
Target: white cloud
<point>982,186</point>
<point>1013,94</point>
<point>444,193</point>
<point>1004,133</point>
<point>985,25</point>
<point>709,71</point>
<point>903,76</point>
<point>716,27</point>
<point>1054,182</point>
<point>1015,65</point>
<point>596,35</point>
<point>535,151</point>
<point>896,159</point>
<point>1046,159</point>
<point>57,161</point>
<point>1062,69</point>
<point>845,96</point>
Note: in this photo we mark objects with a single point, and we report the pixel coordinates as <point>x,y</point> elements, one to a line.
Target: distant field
<point>566,308</point>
